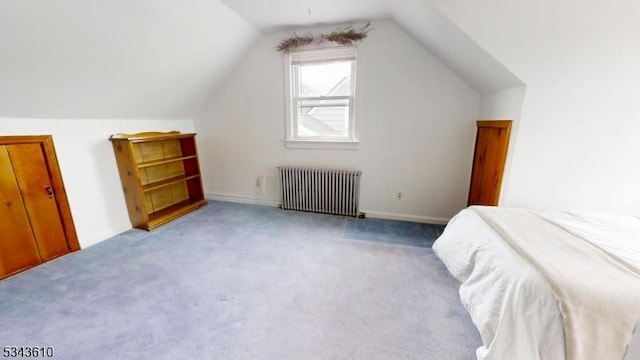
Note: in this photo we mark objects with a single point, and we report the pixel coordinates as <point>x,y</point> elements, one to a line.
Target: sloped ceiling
<point>453,47</point>
<point>276,15</point>
<point>418,17</point>
<point>151,59</point>
<point>162,59</point>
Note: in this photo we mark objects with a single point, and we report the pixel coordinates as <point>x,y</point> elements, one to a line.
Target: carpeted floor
<point>235,281</point>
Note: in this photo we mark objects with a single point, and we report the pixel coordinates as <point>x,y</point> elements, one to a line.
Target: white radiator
<point>320,190</point>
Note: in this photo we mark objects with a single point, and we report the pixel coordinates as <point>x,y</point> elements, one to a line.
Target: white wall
<point>143,59</point>
<point>505,105</point>
<point>577,144</point>
<point>89,168</point>
<point>415,118</point>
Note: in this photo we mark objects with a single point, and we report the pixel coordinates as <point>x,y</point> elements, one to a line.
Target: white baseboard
<point>370,214</point>
<point>406,217</point>
<point>242,199</point>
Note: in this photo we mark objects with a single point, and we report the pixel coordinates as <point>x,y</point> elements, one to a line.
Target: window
<point>321,93</point>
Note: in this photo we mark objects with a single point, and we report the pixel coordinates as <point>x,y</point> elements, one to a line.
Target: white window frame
<point>318,55</point>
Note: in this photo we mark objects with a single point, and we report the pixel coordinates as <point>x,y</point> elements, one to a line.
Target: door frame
<point>49,153</point>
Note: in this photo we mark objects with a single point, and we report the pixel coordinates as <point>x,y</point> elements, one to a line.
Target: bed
<point>546,285</point>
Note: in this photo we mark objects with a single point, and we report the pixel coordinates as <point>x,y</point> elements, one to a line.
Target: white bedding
<point>512,305</point>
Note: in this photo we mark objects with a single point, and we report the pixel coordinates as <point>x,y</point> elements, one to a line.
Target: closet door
<point>492,142</point>
<point>35,218</point>
<point>39,198</point>
<point>18,249</point>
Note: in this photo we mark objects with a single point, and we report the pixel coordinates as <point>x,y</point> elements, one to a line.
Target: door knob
<point>49,191</point>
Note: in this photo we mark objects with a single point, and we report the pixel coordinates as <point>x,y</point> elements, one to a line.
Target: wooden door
<point>35,219</point>
<point>39,199</point>
<point>18,249</point>
<point>492,142</point>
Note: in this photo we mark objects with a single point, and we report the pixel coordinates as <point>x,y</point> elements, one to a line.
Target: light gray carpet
<point>237,281</point>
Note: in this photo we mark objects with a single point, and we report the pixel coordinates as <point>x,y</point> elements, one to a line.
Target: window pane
<point>328,79</point>
<point>323,118</point>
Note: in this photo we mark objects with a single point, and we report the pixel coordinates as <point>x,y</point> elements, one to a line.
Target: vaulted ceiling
<point>158,59</point>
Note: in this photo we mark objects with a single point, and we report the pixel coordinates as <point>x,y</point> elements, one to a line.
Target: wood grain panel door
<point>35,218</point>
<point>39,198</point>
<point>18,249</point>
<point>492,142</point>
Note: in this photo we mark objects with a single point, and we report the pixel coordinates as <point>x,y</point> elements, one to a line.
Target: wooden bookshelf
<point>160,176</point>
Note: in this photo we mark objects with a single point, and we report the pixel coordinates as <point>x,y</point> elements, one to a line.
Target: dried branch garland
<point>294,42</point>
<point>348,35</point>
<point>344,36</point>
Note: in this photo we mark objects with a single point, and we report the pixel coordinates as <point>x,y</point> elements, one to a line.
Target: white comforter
<point>512,305</point>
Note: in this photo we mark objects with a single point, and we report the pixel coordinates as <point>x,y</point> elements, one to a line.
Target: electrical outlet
<point>399,195</point>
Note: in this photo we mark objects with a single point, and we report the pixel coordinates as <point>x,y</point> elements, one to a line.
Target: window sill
<point>322,144</point>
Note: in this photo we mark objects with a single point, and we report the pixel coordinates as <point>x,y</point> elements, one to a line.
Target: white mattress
<point>510,303</point>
